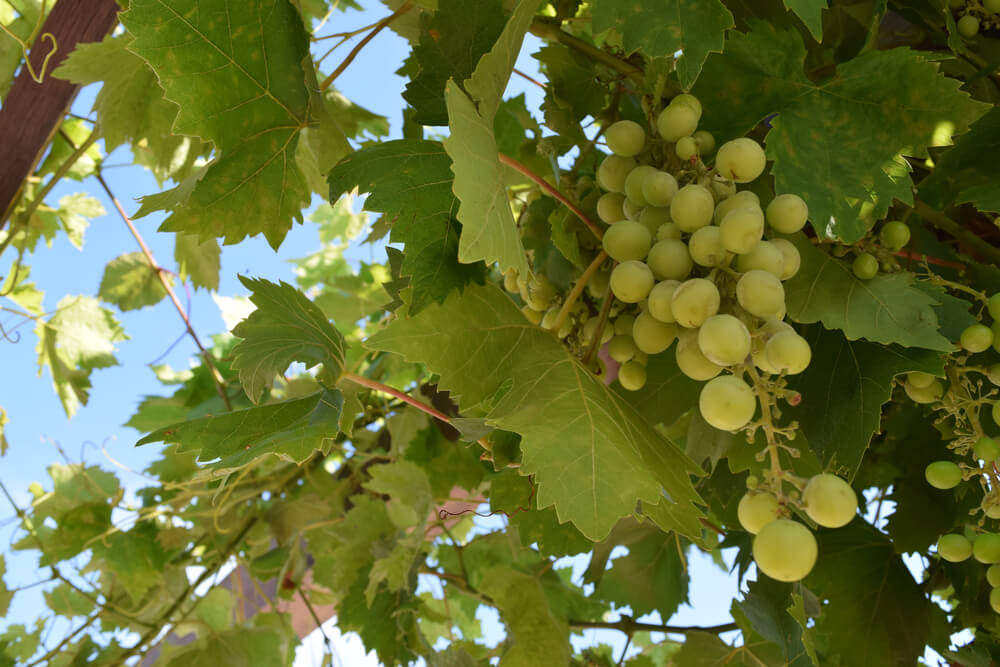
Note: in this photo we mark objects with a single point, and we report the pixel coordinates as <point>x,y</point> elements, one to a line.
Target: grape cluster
<point>975,16</point>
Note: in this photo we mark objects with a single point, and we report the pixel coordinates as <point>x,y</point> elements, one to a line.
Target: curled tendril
<point>444,514</point>
<point>14,338</point>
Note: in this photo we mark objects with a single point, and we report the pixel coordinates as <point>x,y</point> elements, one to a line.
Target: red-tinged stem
<point>538,180</point>
<point>930,260</point>
<point>530,78</point>
<point>401,395</point>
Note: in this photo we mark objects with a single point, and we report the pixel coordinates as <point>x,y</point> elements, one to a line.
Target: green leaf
<point>4,445</point>
<point>237,647</point>
<point>492,359</point>
<point>694,27</point>
<point>6,595</point>
<point>513,495</point>
<point>135,558</point>
<point>833,141</point>
<point>667,394</point>
<point>765,606</point>
<point>292,431</point>
<point>843,392</point>
<point>130,283</point>
<point>198,260</point>
<point>344,552</point>
<point>968,172</point>
<point>408,489</point>
<point>237,73</point>
<point>74,214</point>
<point>810,11</point>
<point>285,327</point>
<point>411,182</point>
<point>652,577</point>
<point>702,649</point>
<point>887,309</point>
<point>535,635</point>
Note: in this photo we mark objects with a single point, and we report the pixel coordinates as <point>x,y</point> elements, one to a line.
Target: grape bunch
<point>975,16</point>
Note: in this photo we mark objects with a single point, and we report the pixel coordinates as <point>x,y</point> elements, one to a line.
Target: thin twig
<point>405,7</point>
<point>548,28</point>
<point>530,78</point>
<point>88,622</point>
<point>319,623</point>
<point>577,290</point>
<point>629,625</point>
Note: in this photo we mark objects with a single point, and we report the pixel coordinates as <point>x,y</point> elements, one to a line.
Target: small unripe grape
<point>659,188</point>
<point>764,256</point>
<point>787,213</point>
<point>789,352</point>
<point>695,301</point>
<point>632,376</point>
<point>943,475</point>
<point>632,210</point>
<point>986,548</point>
<point>919,379</point>
<point>670,260</point>
<point>622,348</point>
<point>692,207</point>
<point>968,26</point>
<point>705,247</point>
<point>625,138</point>
<point>761,294</point>
<point>691,361</point>
<point>829,500</point>
<point>742,229</point>
<point>652,336</point>
<point>688,99</point>
<point>612,172</point>
<point>654,217</point>
<point>993,306</point>
<point>609,207</point>
<point>752,482</point>
<point>634,182</point>
<point>741,160</point>
<point>954,547</point>
<point>705,141</point>
<point>792,257</point>
<point>534,316</point>
<point>686,148</point>
<point>590,328</point>
<point>627,240</point>
<point>676,121</point>
<point>660,300</point>
<point>631,281</point>
<point>976,338</point>
<point>724,340</point>
<point>668,230</point>
<point>894,235</point>
<point>623,324</point>
<point>785,550</point>
<point>924,395</point>
<point>727,403</point>
<point>865,266</point>
<point>987,449</point>
<point>993,577</point>
<point>756,511</point>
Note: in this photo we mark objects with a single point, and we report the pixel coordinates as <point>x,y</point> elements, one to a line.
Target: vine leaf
<point>836,143</point>
<point>198,260</point>
<point>765,610</point>
<point>130,283</point>
<point>494,361</point>
<point>969,171</point>
<point>652,577</point>
<point>887,309</point>
<point>236,72</point>
<point>811,13</point>
<point>285,327</point>
<point>239,647</point>
<point>537,636</point>
<point>694,27</point>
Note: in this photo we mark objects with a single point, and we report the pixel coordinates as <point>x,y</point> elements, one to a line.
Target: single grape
<point>753,482</point>
<point>992,510</point>
<point>641,357</point>
<point>609,207</point>
<point>943,475</point>
<point>660,300</point>
<point>651,335</point>
<point>634,182</point>
<point>968,26</point>
<point>785,550</point>
<point>787,213</point>
<point>692,207</point>
<point>742,229</point>
<point>993,577</point>
<point>976,338</point>
<point>510,281</point>
<point>924,395</point>
<point>625,138</point>
<point>724,340</point>
<point>705,141</point>
<point>534,316</point>
<point>993,372</point>
<point>686,148</point>
<point>756,511</point>
<point>598,285</point>
<point>741,160</point>
<point>623,324</point>
<point>627,240</point>
<point>993,306</point>
<point>743,198</point>
<point>632,210</point>
<point>761,294</point>
<point>695,301</point>
<point>894,235</point>
<point>954,547</point>
<point>789,352</point>
<point>622,348</point>
<point>995,328</point>
<point>659,188</point>
<point>865,266</point>
<point>986,548</point>
<point>612,172</point>
<point>653,217</point>
<point>631,281</point>
<point>919,379</point>
<point>987,449</point>
<point>722,188</point>
<point>995,412</point>
<point>727,403</point>
<point>792,257</point>
<point>668,230</point>
<point>705,247</point>
<point>829,500</point>
<point>764,256</point>
<point>689,100</point>
<point>676,121</point>
<point>995,600</point>
<point>632,376</point>
<point>550,317</point>
<point>590,328</point>
<point>691,361</point>
<point>538,292</point>
<point>670,260</point>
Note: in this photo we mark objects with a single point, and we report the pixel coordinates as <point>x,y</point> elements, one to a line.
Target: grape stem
<point>578,287</point>
<point>946,224</point>
<point>549,28</point>
<point>602,320</point>
<point>764,397</point>
<point>328,81</point>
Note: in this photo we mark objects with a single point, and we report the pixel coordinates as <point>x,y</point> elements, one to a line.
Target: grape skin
<point>829,500</point>
<point>738,200</point>
<point>761,294</point>
<point>943,475</point>
<point>670,259</point>
<point>787,213</point>
<point>741,160</point>
<point>993,577</point>
<point>986,548</point>
<point>623,324</point>
<point>621,348</point>
<point>765,256</point>
<point>634,182</point>
<point>632,376</point>
<point>612,172</point>
<point>727,403</point>
<point>987,449</point>
<point>968,26</point>
<point>660,300</point>
<point>659,188</point>
<point>631,281</point>
<point>919,379</point>
<point>865,266</point>
<point>609,207</point>
<point>590,328</point>
<point>625,138</point>
<point>627,240</point>
<point>976,338</point>
<point>668,230</point>
<point>789,352</point>
<point>995,600</point>
<point>694,302</point>
<point>705,141</point>
<point>691,361</point>
<point>689,100</point>
<point>692,208</point>
<point>793,260</point>
<point>705,247</point>
<point>756,511</point>
<point>954,547</point>
<point>724,340</point>
<point>785,550</point>
<point>894,235</point>
<point>676,121</point>
<point>686,148</point>
<point>632,210</point>
<point>652,336</point>
<point>924,395</point>
<point>654,217</point>
<point>742,229</point>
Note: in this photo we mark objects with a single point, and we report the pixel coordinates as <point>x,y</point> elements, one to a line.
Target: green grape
<point>612,172</point>
<point>722,189</point>
<point>976,338</point>
<point>993,306</point>
<point>993,577</point>
<point>590,328</point>
<point>668,230</point>
<point>986,548</point>
<point>688,99</point>
<point>659,188</point>
<point>995,328</point>
<point>829,500</point>
<point>627,240</point>
<point>919,379</point>
<point>954,547</point>
<point>724,340</point>
<point>691,361</point>
<point>695,301</point>
<point>788,352</point>
<point>785,550</point>
<point>756,511</point>
<point>625,138</point>
<point>761,294</point>
<point>550,317</point>
<point>787,213</point>
<point>632,210</point>
<point>670,260</point>
<point>692,207</point>
<point>676,121</point>
<point>660,300</point>
<point>924,395</point>
<point>510,281</point>
<point>894,235</point>
<point>538,292</point>
<point>623,324</point>
<point>792,257</point>
<point>686,148</point>
<point>987,449</point>
<point>534,316</point>
<point>705,247</point>
<point>634,181</point>
<point>632,376</point>
<point>609,207</point>
<point>598,285</point>
<point>743,198</point>
<point>622,348</point>
<point>995,412</point>
<point>943,475</point>
<point>741,160</point>
<point>995,600</point>
<point>752,482</point>
<point>651,335</point>
<point>992,6</point>
<point>631,281</point>
<point>764,256</point>
<point>727,403</point>
<point>968,26</point>
<point>865,266</point>
<point>705,141</point>
<point>993,373</point>
<point>992,511</point>
<point>641,357</point>
<point>742,229</point>
<point>654,217</point>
